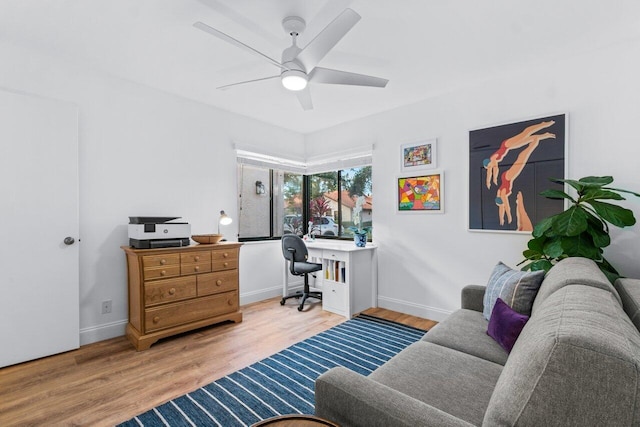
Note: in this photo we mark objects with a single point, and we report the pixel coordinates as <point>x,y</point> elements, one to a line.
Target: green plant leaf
<point>581,245</point>
<point>572,182</point>
<point>605,265</point>
<point>525,267</point>
<point>542,264</point>
<point>531,255</point>
<point>542,226</point>
<point>537,244</point>
<point>553,248</point>
<point>600,237</point>
<point>599,193</point>
<point>556,194</point>
<point>616,215</point>
<point>622,191</point>
<point>598,181</point>
<point>571,222</point>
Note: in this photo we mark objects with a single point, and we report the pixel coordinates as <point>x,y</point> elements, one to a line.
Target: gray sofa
<point>576,363</point>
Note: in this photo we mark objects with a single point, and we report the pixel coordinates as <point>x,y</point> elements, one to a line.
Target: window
<point>270,202</point>
<point>340,212</point>
<point>277,197</point>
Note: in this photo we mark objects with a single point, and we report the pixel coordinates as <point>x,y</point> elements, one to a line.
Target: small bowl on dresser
<point>207,239</point>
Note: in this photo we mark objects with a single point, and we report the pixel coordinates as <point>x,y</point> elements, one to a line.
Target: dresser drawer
<point>214,283</point>
<point>169,290</point>
<point>196,257</point>
<point>150,261</point>
<point>225,255</point>
<point>161,272</point>
<point>220,265</point>
<point>195,268</point>
<point>166,316</point>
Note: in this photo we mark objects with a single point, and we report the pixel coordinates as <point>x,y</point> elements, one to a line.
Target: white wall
<point>425,259</point>
<point>143,152</point>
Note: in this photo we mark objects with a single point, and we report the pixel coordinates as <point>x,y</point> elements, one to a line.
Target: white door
<point>39,280</point>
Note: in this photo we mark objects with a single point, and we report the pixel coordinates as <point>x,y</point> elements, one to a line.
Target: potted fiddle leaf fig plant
<point>583,229</point>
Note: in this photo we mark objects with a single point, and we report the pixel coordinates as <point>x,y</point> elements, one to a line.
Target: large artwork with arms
<point>509,165</point>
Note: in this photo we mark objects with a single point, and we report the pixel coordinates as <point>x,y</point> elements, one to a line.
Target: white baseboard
<point>259,295</point>
<point>425,311</point>
<point>102,332</point>
<point>263,294</point>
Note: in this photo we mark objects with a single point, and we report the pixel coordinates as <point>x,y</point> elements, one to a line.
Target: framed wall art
<point>421,193</point>
<point>419,155</point>
<point>509,165</point>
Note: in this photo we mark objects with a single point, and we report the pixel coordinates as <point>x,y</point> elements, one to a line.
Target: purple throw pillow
<point>505,325</point>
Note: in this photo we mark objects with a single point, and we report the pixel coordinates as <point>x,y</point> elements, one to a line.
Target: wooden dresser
<point>173,290</point>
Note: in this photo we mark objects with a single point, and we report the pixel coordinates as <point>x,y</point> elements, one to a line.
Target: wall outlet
<point>106,306</point>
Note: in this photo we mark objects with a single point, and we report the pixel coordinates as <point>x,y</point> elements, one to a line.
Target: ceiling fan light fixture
<point>294,80</point>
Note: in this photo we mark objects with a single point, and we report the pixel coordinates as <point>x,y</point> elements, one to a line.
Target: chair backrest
<point>291,241</point>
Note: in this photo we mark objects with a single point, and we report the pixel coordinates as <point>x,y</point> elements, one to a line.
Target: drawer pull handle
<point>163,273</point>
<point>172,291</point>
<point>226,255</point>
<point>226,264</point>
<point>218,282</point>
<point>163,261</point>
<point>229,302</point>
<point>156,319</point>
<point>197,258</point>
<point>196,268</point>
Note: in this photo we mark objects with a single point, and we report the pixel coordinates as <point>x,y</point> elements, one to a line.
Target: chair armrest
<point>472,297</point>
<point>350,399</point>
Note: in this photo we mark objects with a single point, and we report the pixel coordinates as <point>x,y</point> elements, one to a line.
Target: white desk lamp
<point>224,220</point>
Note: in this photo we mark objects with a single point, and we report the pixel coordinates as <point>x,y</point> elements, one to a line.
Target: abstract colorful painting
<point>419,155</point>
<point>420,193</point>
<point>509,165</point>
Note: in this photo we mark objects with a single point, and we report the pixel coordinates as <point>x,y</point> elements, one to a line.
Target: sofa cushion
<point>466,331</point>
<point>517,288</point>
<point>573,271</point>
<point>576,363</point>
<point>451,381</point>
<point>505,325</point>
<point>629,291</point>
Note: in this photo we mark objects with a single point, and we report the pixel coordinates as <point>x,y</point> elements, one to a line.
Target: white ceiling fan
<point>299,65</point>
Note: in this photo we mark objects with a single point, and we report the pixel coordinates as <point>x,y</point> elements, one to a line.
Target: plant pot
<point>360,239</point>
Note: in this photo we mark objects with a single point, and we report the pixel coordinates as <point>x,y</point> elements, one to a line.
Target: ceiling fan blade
<point>241,19</point>
<point>327,38</point>
<point>206,28</point>
<point>225,87</point>
<point>304,96</point>
<point>337,77</point>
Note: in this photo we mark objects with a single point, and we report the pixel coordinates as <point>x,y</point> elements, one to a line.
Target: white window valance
<point>351,158</point>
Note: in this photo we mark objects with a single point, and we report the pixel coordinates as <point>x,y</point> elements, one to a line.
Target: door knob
<point>69,240</point>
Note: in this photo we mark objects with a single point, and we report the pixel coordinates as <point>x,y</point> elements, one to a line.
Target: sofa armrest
<point>472,297</point>
<point>350,399</point>
<point>629,291</point>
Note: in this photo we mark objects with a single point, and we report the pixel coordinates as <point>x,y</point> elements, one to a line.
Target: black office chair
<point>295,251</point>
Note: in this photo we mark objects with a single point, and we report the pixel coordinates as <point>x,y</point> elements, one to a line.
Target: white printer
<point>147,232</point>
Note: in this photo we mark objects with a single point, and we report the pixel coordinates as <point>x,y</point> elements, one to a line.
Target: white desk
<point>348,279</point>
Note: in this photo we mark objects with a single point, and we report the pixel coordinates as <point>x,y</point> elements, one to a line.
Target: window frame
<point>309,171</point>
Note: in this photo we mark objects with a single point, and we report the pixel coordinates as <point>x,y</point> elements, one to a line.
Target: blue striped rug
<point>284,383</point>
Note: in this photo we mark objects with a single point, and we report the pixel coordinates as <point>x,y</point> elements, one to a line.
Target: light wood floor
<point>108,382</point>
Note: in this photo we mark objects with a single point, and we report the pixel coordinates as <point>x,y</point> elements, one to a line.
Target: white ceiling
<point>424,47</point>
